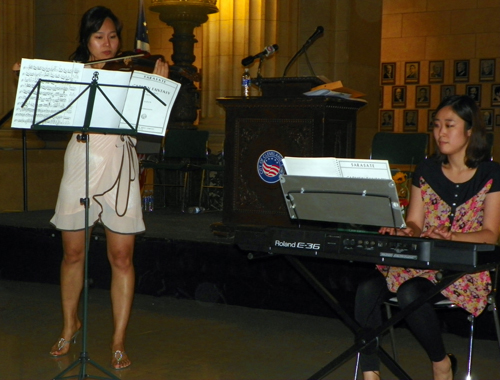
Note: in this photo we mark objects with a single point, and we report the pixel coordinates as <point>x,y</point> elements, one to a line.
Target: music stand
<point>93,87</point>
<point>372,202</point>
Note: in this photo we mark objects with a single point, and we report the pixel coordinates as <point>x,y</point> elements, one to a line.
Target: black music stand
<point>372,202</point>
<point>357,201</point>
<point>93,87</point>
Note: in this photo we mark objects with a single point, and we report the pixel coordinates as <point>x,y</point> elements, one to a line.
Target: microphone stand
<point>258,80</point>
<point>303,50</point>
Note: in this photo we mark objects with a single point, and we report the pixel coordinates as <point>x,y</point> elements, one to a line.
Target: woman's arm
<point>491,224</point>
<point>414,218</point>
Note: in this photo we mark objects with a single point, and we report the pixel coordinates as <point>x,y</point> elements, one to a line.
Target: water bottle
<point>245,83</point>
<point>148,201</point>
<point>151,202</point>
<point>195,210</point>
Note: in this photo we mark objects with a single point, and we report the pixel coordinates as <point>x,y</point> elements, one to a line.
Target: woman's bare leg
<point>120,254</point>
<point>72,271</point>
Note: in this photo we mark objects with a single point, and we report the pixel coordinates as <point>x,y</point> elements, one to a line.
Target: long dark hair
<point>91,22</point>
<point>478,148</point>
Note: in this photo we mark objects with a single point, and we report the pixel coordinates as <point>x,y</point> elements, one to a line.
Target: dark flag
<point>141,35</point>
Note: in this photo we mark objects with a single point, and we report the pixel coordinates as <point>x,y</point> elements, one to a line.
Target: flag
<point>141,34</point>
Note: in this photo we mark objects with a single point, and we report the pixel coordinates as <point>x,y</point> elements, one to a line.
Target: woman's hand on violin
<point>161,68</point>
<point>16,68</point>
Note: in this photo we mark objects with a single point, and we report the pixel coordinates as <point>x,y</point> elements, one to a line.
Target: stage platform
<point>179,256</point>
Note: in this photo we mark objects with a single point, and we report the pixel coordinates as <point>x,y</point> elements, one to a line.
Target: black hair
<point>478,148</point>
<point>90,23</point>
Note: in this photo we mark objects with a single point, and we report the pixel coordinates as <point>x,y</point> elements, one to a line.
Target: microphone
<point>269,50</point>
<point>317,33</point>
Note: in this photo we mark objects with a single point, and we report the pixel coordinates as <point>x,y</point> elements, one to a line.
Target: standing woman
<point>114,200</point>
<point>455,196</point>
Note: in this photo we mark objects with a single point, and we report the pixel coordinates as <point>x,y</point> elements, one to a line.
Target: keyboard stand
<point>365,338</point>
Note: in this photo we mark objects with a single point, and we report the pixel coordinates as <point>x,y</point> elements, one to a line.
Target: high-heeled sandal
<point>61,343</point>
<point>118,356</point>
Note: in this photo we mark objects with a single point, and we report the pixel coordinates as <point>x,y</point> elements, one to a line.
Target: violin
<point>129,61</point>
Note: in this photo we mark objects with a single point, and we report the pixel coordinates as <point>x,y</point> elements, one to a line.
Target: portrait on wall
<point>447,90</point>
<point>474,92</point>
<point>430,120</point>
<point>410,121</point>
<point>387,120</point>
<point>487,69</point>
<point>388,73</point>
<point>422,96</point>
<point>495,95</point>
<point>497,120</point>
<point>488,116</point>
<point>398,96</point>
<point>461,70</point>
<point>436,71</point>
<point>412,72</point>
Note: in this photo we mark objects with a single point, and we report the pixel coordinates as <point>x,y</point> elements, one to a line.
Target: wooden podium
<point>257,127</point>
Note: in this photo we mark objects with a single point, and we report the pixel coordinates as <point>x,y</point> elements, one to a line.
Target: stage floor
<point>177,339</point>
<point>202,309</point>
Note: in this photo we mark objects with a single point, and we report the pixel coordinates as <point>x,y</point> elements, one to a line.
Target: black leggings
<point>423,322</point>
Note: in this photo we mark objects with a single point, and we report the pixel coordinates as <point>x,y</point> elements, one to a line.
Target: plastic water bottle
<point>151,202</point>
<point>195,210</point>
<point>246,82</point>
<point>148,201</point>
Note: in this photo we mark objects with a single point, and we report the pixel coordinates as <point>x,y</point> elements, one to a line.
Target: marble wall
<point>447,31</point>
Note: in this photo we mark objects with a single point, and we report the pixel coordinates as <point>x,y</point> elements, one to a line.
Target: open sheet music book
<point>56,94</point>
<point>337,167</point>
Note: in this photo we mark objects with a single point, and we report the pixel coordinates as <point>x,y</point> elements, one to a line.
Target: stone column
<point>184,16</point>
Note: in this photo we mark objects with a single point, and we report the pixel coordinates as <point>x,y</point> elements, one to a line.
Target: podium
<point>298,126</point>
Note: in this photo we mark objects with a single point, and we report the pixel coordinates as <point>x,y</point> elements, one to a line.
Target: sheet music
<point>59,95</point>
<point>154,115</point>
<point>337,167</point>
<point>103,115</point>
<point>55,97</point>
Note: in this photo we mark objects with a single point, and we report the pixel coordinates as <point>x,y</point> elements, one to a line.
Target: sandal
<point>118,357</point>
<point>61,343</point>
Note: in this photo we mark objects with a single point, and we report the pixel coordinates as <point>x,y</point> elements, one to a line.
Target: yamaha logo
<point>269,166</point>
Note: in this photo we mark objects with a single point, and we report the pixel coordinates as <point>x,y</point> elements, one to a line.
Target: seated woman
<point>455,195</point>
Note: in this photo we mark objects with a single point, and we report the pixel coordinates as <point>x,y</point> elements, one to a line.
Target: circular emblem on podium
<point>269,166</point>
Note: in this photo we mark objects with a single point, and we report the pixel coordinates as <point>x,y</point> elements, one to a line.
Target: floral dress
<point>460,206</point>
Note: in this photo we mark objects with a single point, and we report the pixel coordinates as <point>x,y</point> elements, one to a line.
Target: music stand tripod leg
<point>84,359</point>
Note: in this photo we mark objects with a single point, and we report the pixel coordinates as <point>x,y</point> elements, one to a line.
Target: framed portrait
<point>474,91</point>
<point>431,114</point>
<point>436,71</point>
<point>410,120</point>
<point>398,96</point>
<point>423,96</point>
<point>388,74</point>
<point>412,72</point>
<point>487,69</point>
<point>448,90</point>
<point>387,120</point>
<point>495,95</point>
<point>497,120</point>
<point>488,118</point>
<point>461,68</point>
